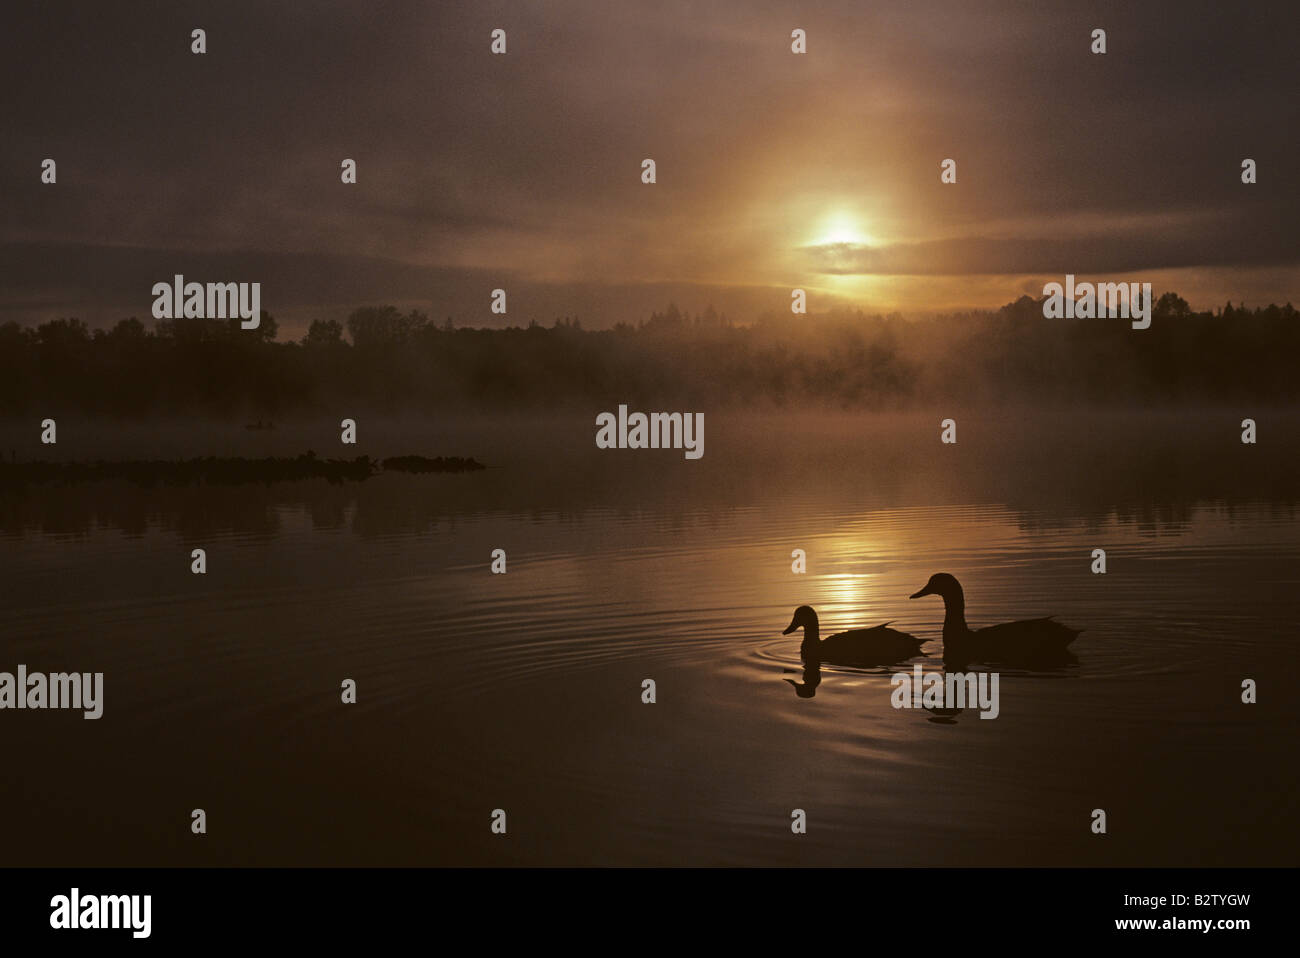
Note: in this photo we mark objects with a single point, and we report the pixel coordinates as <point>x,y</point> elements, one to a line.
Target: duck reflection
<point>812,677</point>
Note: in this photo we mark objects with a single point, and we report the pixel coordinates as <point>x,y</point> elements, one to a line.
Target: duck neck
<point>954,616</point>
<point>811,636</point>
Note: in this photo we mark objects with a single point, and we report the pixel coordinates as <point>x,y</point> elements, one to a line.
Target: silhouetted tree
<point>323,334</point>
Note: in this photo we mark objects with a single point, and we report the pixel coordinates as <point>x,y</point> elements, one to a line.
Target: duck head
<point>804,618</point>
<point>954,603</point>
<point>941,584</point>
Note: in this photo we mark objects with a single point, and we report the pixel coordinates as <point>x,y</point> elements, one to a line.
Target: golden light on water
<point>846,594</point>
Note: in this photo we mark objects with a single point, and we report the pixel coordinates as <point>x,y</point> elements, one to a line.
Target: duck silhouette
<point>1027,640</point>
<point>879,646</point>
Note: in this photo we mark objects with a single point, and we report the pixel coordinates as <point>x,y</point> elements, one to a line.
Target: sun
<point>840,227</point>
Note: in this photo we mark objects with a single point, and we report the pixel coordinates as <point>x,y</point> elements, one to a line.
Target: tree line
<point>403,361</point>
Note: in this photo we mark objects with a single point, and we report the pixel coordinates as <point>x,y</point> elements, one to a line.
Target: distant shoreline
<point>398,362</point>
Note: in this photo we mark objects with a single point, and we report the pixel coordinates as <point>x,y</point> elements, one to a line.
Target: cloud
<point>1229,240</point>
<point>526,166</point>
<point>102,284</point>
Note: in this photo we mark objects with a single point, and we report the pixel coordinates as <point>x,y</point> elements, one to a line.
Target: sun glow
<point>840,227</point>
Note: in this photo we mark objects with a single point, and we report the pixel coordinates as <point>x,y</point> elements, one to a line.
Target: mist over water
<point>522,691</point>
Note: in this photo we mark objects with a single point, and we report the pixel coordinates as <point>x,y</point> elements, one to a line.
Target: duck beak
<point>917,595</point>
<point>792,627</point>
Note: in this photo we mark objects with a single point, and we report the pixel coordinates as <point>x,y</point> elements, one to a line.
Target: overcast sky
<point>523,171</point>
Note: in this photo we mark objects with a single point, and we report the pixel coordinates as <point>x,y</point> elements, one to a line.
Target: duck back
<point>1027,632</point>
<point>879,646</point>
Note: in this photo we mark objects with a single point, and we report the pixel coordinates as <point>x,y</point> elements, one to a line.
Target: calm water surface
<point>523,691</point>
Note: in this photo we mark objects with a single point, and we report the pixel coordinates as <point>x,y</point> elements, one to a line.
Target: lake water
<point>523,691</point>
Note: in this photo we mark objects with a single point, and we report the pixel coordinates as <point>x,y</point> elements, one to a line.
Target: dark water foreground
<point>523,691</point>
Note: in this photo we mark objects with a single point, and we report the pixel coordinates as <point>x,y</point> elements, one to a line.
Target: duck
<point>1027,638</point>
<point>879,646</point>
